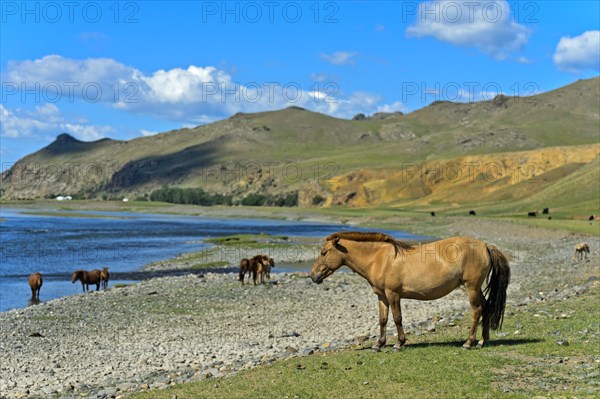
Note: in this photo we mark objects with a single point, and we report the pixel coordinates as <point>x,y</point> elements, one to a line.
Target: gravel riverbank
<point>173,329</point>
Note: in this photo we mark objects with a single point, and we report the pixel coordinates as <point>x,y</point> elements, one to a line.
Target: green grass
<point>209,265</point>
<point>522,362</point>
<point>242,239</point>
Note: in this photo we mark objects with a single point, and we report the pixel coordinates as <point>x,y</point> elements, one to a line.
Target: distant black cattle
<point>531,214</point>
<point>546,211</point>
<point>471,212</point>
<point>592,217</point>
<point>432,213</point>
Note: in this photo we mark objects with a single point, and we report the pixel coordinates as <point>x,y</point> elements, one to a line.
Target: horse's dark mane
<point>371,237</point>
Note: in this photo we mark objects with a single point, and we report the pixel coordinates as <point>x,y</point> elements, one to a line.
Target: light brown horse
<point>398,270</point>
<point>264,268</point>
<point>250,266</point>
<point>581,250</point>
<point>35,282</point>
<point>104,277</point>
<point>87,278</point>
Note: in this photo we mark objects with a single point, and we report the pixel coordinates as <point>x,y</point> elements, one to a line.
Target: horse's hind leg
<point>384,307</point>
<point>475,298</point>
<point>485,323</point>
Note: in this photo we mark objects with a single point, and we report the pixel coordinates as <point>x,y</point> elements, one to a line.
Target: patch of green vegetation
<point>242,239</point>
<point>209,265</point>
<point>121,285</point>
<point>548,349</point>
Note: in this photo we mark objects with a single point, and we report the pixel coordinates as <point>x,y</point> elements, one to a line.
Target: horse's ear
<point>336,240</point>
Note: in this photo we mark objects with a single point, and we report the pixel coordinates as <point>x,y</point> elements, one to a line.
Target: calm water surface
<point>58,245</point>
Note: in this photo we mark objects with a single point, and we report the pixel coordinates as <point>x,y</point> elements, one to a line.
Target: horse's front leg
<point>384,307</point>
<point>397,314</point>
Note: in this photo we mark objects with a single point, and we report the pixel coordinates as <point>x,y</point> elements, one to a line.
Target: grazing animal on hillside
<point>397,270</point>
<point>592,217</point>
<point>87,278</point>
<point>104,277</point>
<point>250,266</point>
<point>546,211</point>
<point>472,213</point>
<point>432,213</point>
<point>35,283</point>
<point>581,250</point>
<point>531,214</point>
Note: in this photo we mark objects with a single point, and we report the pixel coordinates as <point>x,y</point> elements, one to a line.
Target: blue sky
<point>130,68</point>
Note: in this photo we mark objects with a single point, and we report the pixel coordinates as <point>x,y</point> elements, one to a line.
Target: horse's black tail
<point>493,312</point>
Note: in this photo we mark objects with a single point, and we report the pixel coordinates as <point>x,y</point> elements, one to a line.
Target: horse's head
<point>75,276</point>
<point>330,259</point>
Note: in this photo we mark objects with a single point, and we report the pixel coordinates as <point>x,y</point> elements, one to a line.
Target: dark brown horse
<point>251,266</point>
<point>35,282</point>
<point>87,278</point>
<point>399,270</point>
<point>104,277</point>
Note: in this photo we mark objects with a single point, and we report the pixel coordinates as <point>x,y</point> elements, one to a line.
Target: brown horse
<point>35,282</point>
<point>398,270</point>
<point>104,277</point>
<point>87,278</point>
<point>250,266</point>
<point>581,250</point>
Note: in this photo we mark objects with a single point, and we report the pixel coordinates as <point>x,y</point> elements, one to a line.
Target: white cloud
<point>339,57</point>
<point>44,120</point>
<point>145,132</point>
<point>393,107</point>
<point>194,95</point>
<point>487,26</point>
<point>579,53</point>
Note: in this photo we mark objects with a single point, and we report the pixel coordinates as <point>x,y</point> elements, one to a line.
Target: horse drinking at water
<point>35,282</point>
<point>399,270</point>
<point>87,278</point>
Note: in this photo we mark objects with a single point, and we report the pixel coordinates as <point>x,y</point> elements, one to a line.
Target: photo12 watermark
<point>449,12</point>
<point>54,92</point>
<point>253,12</point>
<point>53,12</point>
<point>469,91</point>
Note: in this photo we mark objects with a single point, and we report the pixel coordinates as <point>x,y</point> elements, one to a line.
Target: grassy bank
<point>549,349</point>
<point>408,218</point>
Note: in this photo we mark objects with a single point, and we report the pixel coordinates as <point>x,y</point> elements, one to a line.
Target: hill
<point>359,162</point>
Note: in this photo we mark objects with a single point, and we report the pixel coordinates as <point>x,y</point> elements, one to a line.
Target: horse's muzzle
<point>318,279</point>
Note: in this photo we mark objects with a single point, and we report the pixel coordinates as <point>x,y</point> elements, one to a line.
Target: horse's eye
<point>323,252</point>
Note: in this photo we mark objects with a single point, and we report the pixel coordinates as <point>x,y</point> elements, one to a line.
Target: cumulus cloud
<point>579,53</point>
<point>43,120</point>
<point>339,57</point>
<point>192,95</point>
<point>487,26</point>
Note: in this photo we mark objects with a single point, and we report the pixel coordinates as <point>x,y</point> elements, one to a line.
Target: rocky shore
<point>173,329</point>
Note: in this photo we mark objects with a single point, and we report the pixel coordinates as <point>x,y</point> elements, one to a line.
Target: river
<point>56,245</point>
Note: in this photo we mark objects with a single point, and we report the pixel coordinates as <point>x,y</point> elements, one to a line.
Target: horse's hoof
<point>465,346</point>
<point>397,348</point>
<point>376,349</point>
